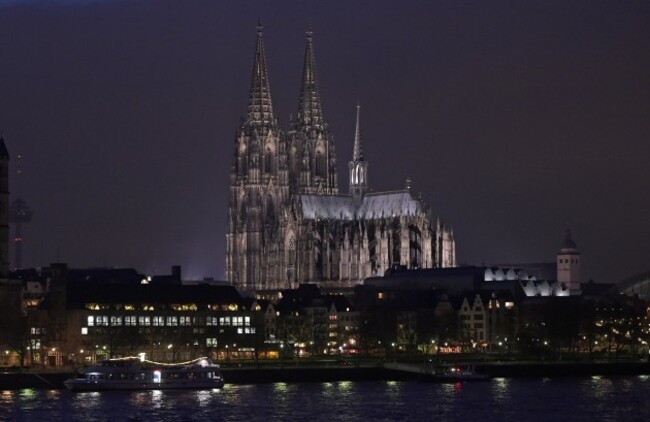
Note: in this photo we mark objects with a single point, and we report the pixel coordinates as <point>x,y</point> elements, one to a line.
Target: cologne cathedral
<point>287,221</point>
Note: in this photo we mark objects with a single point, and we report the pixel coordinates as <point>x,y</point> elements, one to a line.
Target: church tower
<point>312,157</point>
<point>568,265</point>
<point>358,166</point>
<point>259,186</point>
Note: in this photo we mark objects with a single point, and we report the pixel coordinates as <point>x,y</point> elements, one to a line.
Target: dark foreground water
<point>558,399</point>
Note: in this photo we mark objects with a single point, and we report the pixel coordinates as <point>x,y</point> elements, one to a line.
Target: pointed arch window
<point>291,258</point>
<point>242,211</point>
<point>269,159</point>
<point>242,164</point>
<point>415,247</point>
<point>358,176</point>
<point>270,209</point>
<point>320,164</point>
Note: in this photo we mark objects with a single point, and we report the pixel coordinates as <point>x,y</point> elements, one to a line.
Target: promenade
<point>290,372</point>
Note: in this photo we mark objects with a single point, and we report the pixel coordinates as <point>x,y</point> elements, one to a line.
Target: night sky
<point>512,118</point>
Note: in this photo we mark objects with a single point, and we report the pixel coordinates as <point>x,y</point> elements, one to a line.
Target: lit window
<point>84,331</point>
<point>211,342</point>
<point>91,321</point>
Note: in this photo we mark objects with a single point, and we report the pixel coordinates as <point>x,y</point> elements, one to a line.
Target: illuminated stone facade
<point>287,221</point>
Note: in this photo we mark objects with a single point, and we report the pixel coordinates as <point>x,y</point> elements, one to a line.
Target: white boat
<point>134,373</point>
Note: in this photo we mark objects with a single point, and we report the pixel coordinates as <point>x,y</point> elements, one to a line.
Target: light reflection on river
<point>579,399</point>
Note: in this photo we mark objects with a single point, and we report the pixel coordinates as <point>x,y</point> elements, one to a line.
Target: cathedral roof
<point>373,205</point>
<point>389,204</point>
<point>326,207</point>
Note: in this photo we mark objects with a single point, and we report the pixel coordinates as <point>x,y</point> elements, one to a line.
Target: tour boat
<point>134,373</point>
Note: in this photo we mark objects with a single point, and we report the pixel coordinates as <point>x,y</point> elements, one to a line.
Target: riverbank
<point>361,372</point>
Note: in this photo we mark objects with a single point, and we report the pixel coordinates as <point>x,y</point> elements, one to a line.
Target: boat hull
<point>82,384</point>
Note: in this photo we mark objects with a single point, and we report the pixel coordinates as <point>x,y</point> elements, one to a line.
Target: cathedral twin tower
<point>287,221</point>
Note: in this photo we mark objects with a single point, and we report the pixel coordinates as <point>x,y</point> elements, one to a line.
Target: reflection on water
<point>204,397</point>
<point>87,401</point>
<point>501,390</point>
<point>7,397</point>
<point>345,386</point>
<point>392,389</point>
<point>505,399</point>
<point>156,399</point>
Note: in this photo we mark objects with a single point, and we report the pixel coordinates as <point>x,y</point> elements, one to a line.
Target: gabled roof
<point>340,302</point>
<point>389,204</point>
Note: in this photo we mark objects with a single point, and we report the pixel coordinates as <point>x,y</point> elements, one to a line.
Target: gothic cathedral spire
<point>259,187</point>
<point>358,166</point>
<point>260,107</point>
<point>357,154</point>
<point>309,109</point>
<point>313,156</point>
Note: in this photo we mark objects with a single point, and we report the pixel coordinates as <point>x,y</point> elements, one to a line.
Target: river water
<point>557,399</point>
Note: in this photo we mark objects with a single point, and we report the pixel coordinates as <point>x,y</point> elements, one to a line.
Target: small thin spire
<point>309,109</point>
<point>358,150</point>
<point>260,106</point>
<point>358,166</point>
<point>568,240</point>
